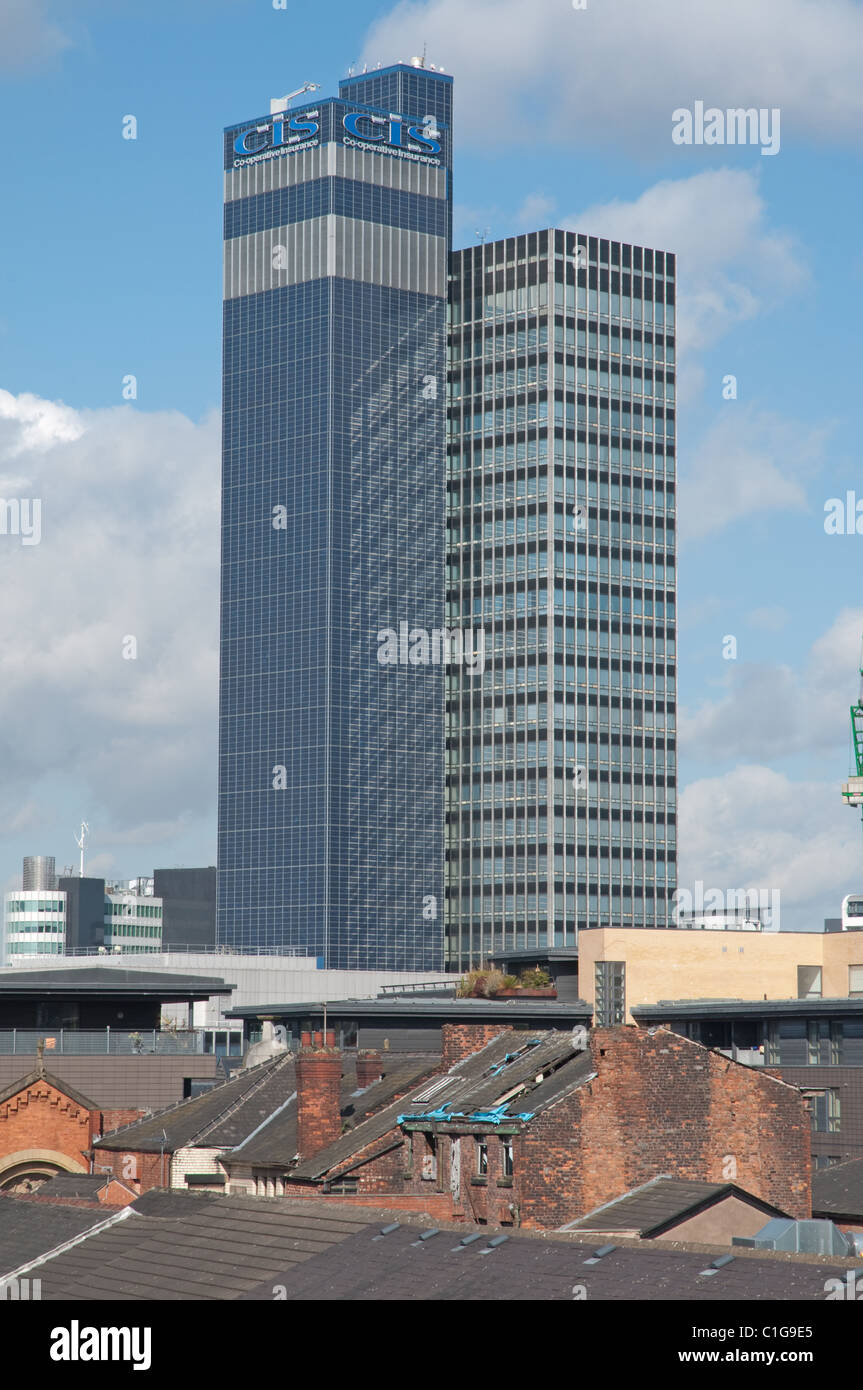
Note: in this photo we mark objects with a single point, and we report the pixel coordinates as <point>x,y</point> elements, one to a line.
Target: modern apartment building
<point>331,760</point>
<point>561,548</point>
<point>80,915</point>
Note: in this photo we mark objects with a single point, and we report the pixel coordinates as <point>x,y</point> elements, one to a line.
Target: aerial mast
<point>852,790</point>
<point>80,841</point>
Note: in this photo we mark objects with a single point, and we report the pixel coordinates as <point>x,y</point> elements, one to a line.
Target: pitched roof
<point>84,1185</point>
<point>661,1203</point>
<point>29,1228</point>
<point>511,1078</point>
<point>275,1140</point>
<point>838,1190</point>
<point>178,1246</point>
<point>170,1246</point>
<point>541,1267</point>
<point>35,1076</point>
<point>253,1115</point>
<point>185,1121</point>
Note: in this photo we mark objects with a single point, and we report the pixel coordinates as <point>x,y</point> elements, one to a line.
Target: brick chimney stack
<point>369,1069</point>
<point>319,1074</point>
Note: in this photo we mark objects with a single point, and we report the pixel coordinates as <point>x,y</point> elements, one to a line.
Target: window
<point>825,1042</point>
<point>506,1165</point>
<point>610,991</point>
<point>809,982</point>
<point>855,981</point>
<point>482,1158</point>
<point>826,1160</point>
<point>825,1109</point>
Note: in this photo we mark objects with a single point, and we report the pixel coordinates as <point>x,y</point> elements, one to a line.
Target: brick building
<point>524,1127</point>
<point>46,1128</point>
<point>525,1130</point>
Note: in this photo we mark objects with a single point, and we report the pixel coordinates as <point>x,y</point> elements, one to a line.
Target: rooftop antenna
<point>482,235</point>
<point>278,104</point>
<point>80,841</point>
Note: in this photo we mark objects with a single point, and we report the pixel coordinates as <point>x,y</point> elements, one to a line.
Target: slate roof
<point>185,1121</point>
<point>254,1113</point>
<point>476,1090</point>
<point>171,1246</point>
<point>36,1075</point>
<point>660,1204</point>
<point>178,1246</point>
<point>84,1185</point>
<point>275,1141</point>
<point>837,1191</point>
<point>536,1267</point>
<point>29,1228</point>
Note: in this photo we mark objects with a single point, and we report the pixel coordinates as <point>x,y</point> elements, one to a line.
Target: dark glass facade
<point>337,239</point>
<point>562,759</point>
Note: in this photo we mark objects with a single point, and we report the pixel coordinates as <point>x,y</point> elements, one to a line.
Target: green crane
<point>852,790</point>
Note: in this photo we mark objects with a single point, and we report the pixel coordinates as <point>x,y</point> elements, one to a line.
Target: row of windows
<point>31,905</point>
<point>632,454</point>
<point>118,929</point>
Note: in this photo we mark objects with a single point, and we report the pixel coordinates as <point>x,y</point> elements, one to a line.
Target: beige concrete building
<point>620,968</point>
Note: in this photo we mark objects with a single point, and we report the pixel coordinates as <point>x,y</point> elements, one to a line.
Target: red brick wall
<point>140,1171</point>
<point>662,1104</point>
<point>436,1204</point>
<point>109,1120</point>
<point>461,1039</point>
<point>116,1194</point>
<point>319,1121</point>
<point>41,1117</point>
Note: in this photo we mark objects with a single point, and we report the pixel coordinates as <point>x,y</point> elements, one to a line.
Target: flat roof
<point>448,1010</point>
<point>736,1008</point>
<point>106,982</point>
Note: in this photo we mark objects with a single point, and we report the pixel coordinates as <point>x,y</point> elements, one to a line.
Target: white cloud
<point>542,72</point>
<point>772,711</point>
<point>129,547</point>
<point>537,210</point>
<point>30,423</point>
<point>27,35</point>
<point>748,462</point>
<point>757,829</point>
<point>731,264</point>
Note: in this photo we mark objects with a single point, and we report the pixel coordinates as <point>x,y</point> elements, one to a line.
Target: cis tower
<point>331,766</point>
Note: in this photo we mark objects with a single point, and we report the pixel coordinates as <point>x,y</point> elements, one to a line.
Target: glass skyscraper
<point>331,761</point>
<point>561,759</point>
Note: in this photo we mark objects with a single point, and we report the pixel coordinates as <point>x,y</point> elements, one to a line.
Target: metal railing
<point>155,949</point>
<point>446,986</point>
<point>114,1042</point>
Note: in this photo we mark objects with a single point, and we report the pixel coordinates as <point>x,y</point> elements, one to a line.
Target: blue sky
<point>111,266</point>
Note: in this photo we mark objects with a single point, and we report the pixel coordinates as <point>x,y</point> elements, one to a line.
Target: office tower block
<point>561,757</point>
<point>331,761</point>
